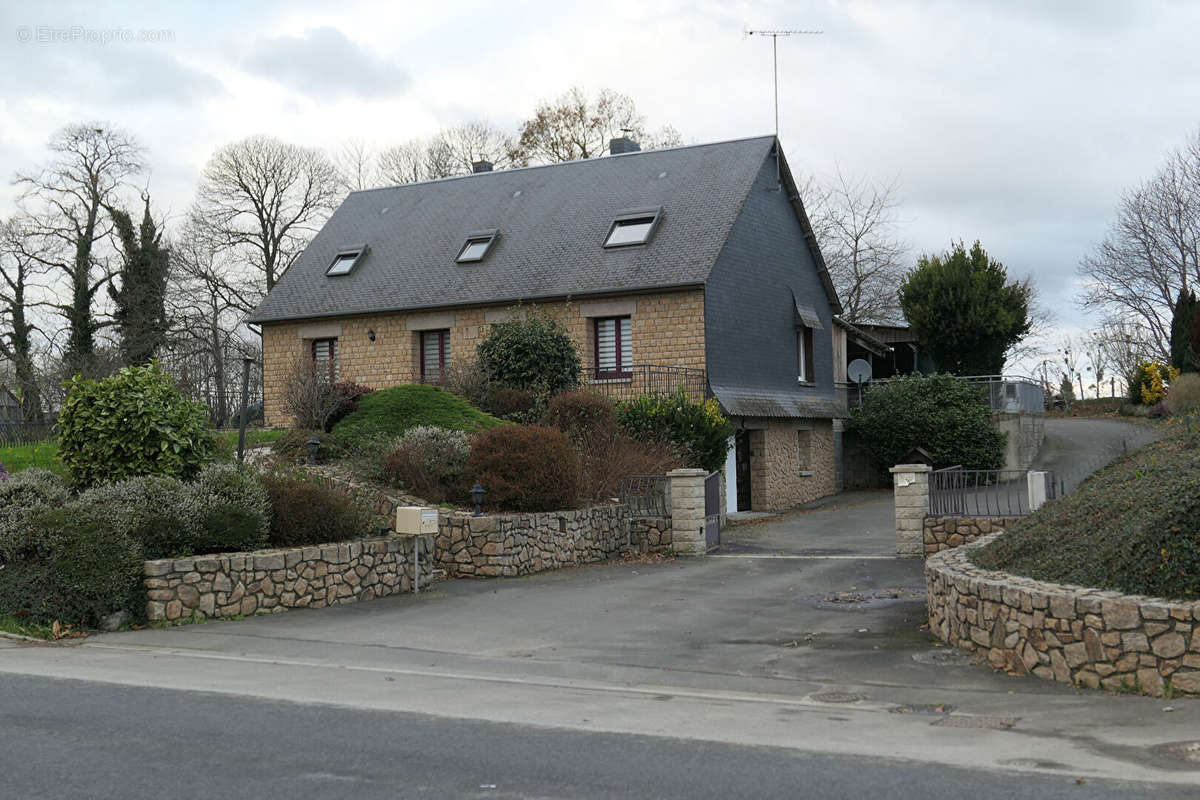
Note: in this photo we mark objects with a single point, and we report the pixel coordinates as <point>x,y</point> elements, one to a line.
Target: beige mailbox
<point>416,520</point>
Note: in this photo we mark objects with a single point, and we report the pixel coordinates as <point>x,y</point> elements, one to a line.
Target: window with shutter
<point>435,355</point>
<point>324,353</point>
<point>614,347</point>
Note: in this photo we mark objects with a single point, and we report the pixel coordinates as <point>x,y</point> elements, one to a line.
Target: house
<point>689,265</point>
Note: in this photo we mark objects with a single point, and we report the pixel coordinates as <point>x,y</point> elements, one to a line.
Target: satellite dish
<point>859,371</point>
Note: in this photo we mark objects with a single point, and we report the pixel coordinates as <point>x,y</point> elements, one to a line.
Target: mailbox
<point>416,520</point>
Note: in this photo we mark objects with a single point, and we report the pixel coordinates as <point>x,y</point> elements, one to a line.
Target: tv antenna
<point>775,34</point>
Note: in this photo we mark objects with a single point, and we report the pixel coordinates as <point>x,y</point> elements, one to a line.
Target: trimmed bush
<point>947,416</point>
<point>698,431</point>
<point>533,353</point>
<point>225,484</point>
<point>73,567</point>
<point>1184,396</point>
<point>1133,527</point>
<point>511,403</point>
<point>347,393</point>
<point>133,423</point>
<point>304,513</point>
<point>580,413</point>
<point>525,468</point>
<point>390,412</point>
<point>1147,384</point>
<point>429,462</point>
<point>230,528</point>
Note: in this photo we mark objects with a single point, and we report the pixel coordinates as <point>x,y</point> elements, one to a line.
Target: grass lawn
<point>37,454</point>
<point>9,624</point>
<point>227,440</point>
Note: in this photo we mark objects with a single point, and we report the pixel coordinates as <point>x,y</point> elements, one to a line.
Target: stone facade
<point>507,545</point>
<point>277,580</point>
<point>943,533</point>
<point>1087,637</point>
<point>791,463</point>
<point>1025,433</point>
<point>667,329</point>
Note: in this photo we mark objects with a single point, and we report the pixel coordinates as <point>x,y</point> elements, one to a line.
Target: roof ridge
<point>592,160</point>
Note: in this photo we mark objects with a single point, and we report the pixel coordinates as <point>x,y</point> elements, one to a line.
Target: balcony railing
<point>651,379</point>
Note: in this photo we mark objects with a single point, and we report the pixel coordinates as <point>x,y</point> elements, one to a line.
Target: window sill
<point>806,473</point>
<point>614,379</point>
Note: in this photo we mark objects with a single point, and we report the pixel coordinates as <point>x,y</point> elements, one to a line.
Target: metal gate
<point>712,511</point>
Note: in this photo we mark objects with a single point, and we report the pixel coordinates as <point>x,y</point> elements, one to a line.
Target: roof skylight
<point>633,228</point>
<point>479,243</point>
<point>345,261</point>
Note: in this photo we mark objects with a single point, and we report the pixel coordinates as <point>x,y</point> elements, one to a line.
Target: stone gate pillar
<point>687,511</point>
<point>910,497</point>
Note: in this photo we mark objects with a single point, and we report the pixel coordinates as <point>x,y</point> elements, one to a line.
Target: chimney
<point>481,166</point>
<point>621,145</point>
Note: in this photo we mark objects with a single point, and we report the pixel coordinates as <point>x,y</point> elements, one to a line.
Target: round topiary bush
<point>304,513</point>
<point>534,353</point>
<point>947,416</point>
<point>525,468</point>
<point>133,423</point>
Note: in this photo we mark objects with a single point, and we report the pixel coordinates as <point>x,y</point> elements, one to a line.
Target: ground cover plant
<point>949,417</point>
<point>1133,527</point>
<point>391,412</point>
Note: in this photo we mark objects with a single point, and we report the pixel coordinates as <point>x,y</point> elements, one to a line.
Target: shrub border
<point>1072,634</point>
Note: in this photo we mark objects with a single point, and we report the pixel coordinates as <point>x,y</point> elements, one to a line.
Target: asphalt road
<point>71,739</point>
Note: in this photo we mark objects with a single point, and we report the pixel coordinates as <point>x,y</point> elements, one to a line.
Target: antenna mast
<point>775,34</point>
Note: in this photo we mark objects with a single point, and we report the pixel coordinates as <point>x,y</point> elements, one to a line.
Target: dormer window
<point>634,227</point>
<point>345,261</point>
<point>479,244</point>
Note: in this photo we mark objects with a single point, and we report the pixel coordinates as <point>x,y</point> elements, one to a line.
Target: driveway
<point>804,632</point>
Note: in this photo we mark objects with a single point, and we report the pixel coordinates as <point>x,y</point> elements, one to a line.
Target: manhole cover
<point>1186,751</point>
<point>838,697</point>
<point>923,708</point>
<point>992,723</point>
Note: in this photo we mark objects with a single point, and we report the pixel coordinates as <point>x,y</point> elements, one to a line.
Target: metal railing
<point>25,432</point>
<point>958,492</point>
<point>646,496</point>
<point>652,379</point>
<point>1012,393</point>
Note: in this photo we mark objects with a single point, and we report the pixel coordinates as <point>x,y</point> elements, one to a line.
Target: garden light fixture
<point>477,495</point>
<point>314,444</point>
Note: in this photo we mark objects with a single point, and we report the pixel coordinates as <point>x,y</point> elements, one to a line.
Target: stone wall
<point>277,580</point>
<point>667,329</point>
<point>520,544</point>
<point>783,473</point>
<point>943,533</point>
<point>1025,432</point>
<point>1086,637</point>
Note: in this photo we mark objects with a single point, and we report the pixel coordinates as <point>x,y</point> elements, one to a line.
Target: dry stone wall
<point>1086,637</point>
<point>520,544</point>
<point>240,584</point>
<point>943,533</point>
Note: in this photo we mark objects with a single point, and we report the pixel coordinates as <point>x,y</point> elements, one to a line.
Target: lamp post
<point>314,444</point>
<point>477,495</point>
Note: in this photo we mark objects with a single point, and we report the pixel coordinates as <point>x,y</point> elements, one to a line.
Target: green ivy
<point>133,423</point>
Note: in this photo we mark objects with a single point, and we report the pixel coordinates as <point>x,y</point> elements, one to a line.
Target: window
<point>804,452</point>
<point>614,347</point>
<point>804,355</point>
<point>435,355</point>
<point>477,246</point>
<point>633,227</point>
<point>324,354</point>
<point>345,261</point>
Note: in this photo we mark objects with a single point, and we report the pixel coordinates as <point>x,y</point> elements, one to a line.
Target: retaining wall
<point>234,584</point>
<point>943,533</point>
<point>1087,637</point>
<point>520,544</point>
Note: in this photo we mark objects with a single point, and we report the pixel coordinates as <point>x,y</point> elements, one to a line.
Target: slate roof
<point>740,401</point>
<point>552,220</point>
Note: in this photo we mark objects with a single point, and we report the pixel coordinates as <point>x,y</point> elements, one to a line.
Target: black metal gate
<point>712,511</point>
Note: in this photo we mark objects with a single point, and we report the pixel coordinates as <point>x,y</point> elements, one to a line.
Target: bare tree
<point>357,166</point>
<point>264,199</point>
<point>207,299</point>
<point>452,151</point>
<point>66,201</point>
<point>1126,344</point>
<point>309,395</point>
<point>17,268</point>
<point>1096,357</point>
<point>855,224</point>
<point>1152,250</point>
<point>574,126</point>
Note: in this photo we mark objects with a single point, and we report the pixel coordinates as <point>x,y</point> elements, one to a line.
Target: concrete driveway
<point>803,632</point>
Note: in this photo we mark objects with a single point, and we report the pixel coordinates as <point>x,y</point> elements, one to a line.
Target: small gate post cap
<point>910,468</point>
<point>686,472</point>
<point>918,455</point>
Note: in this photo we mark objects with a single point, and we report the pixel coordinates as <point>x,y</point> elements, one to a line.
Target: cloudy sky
<point>1015,123</point>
